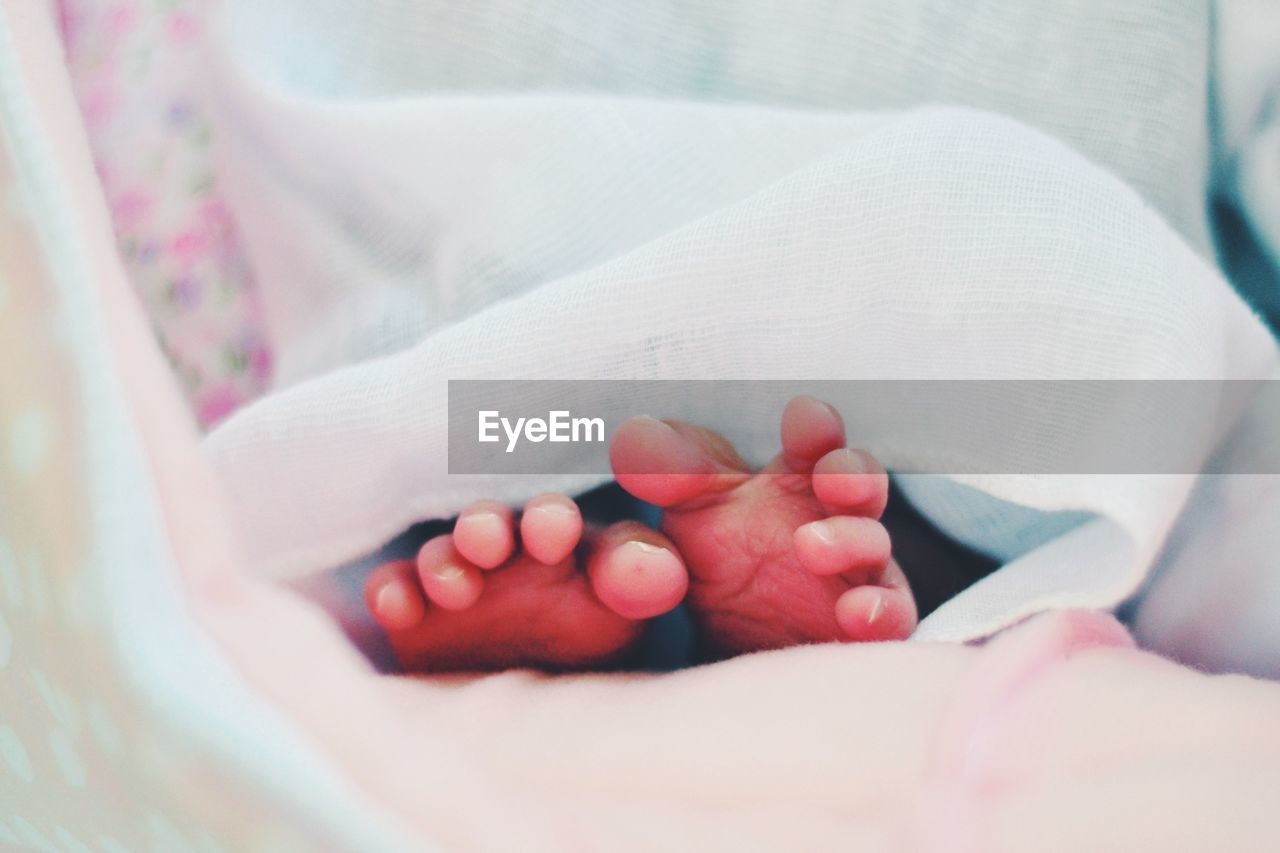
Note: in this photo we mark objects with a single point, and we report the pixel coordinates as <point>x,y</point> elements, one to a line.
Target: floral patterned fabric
<point>135,67</point>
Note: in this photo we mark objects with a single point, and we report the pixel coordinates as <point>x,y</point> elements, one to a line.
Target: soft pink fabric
<point>90,754</point>
<point>835,747</point>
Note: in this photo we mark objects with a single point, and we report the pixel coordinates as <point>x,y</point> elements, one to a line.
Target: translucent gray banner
<point>913,426</point>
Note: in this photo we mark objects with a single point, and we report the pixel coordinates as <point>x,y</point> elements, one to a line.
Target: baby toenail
<point>389,599</point>
<point>856,462</point>
<point>876,610</point>
<point>485,516</point>
<point>558,510</point>
<point>646,548</point>
<point>447,572</point>
<point>824,531</point>
<point>650,419</point>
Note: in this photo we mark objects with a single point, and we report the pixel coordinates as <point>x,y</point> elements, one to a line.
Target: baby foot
<point>562,598</point>
<point>792,554</point>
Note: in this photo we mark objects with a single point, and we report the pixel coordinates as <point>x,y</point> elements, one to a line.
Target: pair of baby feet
<point>794,553</point>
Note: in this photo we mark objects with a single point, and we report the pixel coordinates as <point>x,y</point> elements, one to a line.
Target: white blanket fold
<point>410,231</point>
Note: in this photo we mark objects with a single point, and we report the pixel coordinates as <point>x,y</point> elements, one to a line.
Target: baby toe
<point>485,534</point>
<point>392,594</point>
<point>842,544</point>
<point>876,613</point>
<point>550,528</point>
<point>636,572</point>
<point>670,464</point>
<point>449,580</point>
<point>810,430</point>
<point>851,482</point>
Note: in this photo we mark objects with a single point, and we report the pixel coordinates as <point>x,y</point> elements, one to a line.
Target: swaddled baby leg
<point>546,592</point>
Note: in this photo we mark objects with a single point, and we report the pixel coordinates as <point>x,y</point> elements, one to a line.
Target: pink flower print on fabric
<point>135,66</point>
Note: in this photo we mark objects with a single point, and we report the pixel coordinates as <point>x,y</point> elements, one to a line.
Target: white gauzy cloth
<point>501,189</point>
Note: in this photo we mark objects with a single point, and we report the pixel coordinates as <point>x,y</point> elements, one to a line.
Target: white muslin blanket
<point>714,190</point>
<point>620,191</point>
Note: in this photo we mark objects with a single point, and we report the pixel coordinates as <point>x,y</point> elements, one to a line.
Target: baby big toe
<point>393,596</point>
<point>851,482</point>
<point>550,528</point>
<point>669,464</point>
<point>842,544</point>
<point>485,534</point>
<point>810,429</point>
<point>636,571</point>
<point>449,580</point>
